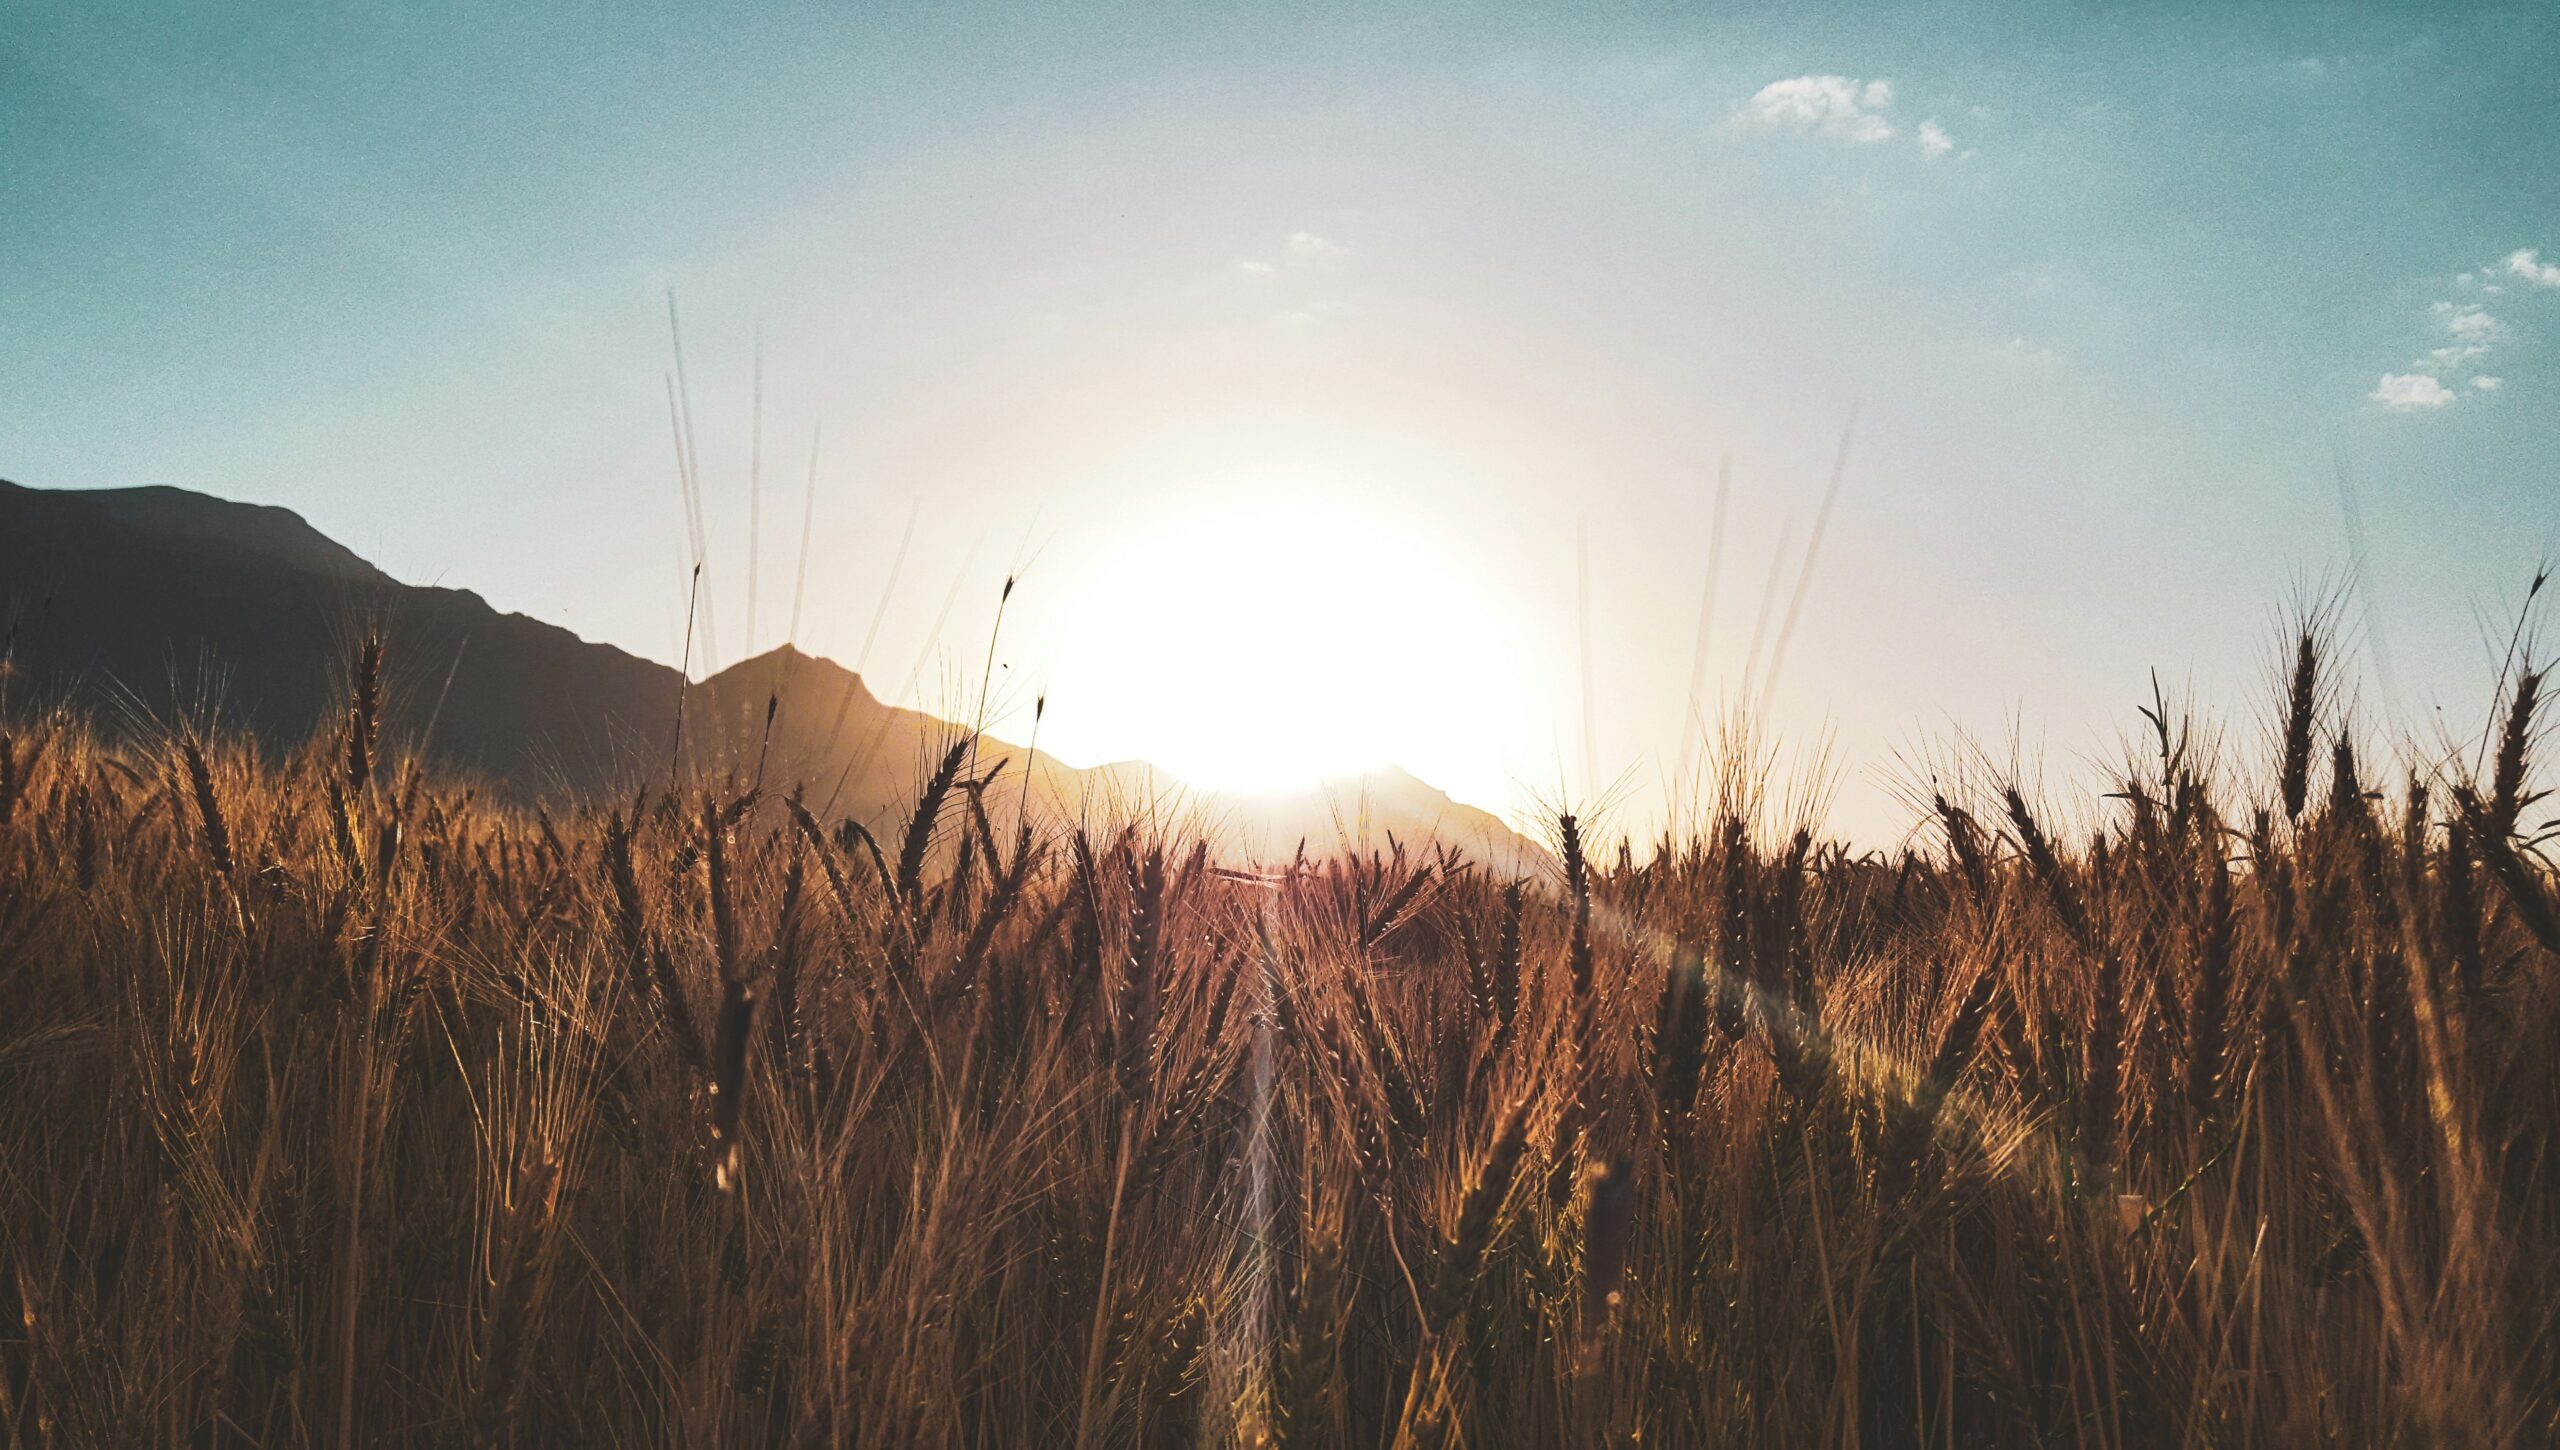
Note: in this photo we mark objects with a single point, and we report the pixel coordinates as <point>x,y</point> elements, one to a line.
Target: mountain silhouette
<point>170,605</point>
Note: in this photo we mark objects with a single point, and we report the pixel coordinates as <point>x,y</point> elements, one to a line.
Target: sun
<point>1265,638</point>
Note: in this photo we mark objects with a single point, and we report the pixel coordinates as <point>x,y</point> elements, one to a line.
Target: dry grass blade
<point>1577,882</point>
<point>364,714</point>
<point>1391,913</point>
<point>928,815</point>
<point>2293,770</point>
<point>2525,888</point>
<point>2507,797</point>
<point>215,827</point>
<point>728,1085</point>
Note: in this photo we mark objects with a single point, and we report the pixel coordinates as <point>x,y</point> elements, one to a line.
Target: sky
<point>1349,384</point>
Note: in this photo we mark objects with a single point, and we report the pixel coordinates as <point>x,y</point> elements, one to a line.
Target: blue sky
<point>2115,290</point>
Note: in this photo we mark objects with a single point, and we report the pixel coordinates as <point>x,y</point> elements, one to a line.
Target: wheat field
<point>343,1104</point>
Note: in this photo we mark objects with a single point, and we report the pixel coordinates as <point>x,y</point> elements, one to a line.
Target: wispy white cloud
<point>2466,320</point>
<point>2022,353</point>
<point>1298,249</point>
<point>2410,392</point>
<point>1836,106</point>
<point>2471,334</point>
<point>1843,108</point>
<point>2475,333</point>
<point>2527,264</point>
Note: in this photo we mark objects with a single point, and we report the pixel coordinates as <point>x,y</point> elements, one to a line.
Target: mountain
<point>174,603</point>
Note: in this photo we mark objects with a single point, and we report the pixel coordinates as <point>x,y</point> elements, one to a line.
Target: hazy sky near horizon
<point>1285,349</point>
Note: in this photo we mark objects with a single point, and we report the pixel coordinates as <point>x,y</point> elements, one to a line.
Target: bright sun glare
<point>1288,635</point>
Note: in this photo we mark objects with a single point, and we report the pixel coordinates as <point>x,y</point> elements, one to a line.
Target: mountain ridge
<point>180,602</point>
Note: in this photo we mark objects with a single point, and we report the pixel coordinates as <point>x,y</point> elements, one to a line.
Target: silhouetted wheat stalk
<point>423,1115</point>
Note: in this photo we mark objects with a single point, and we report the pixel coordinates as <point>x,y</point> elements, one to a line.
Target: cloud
<point>2474,333</point>
<point>2410,392</point>
<point>2019,351</point>
<point>2466,320</point>
<point>1934,140</point>
<point>2527,263</point>
<point>1298,249</point>
<point>1834,106</point>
